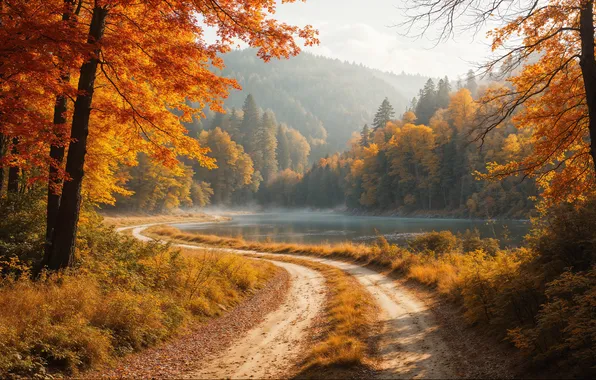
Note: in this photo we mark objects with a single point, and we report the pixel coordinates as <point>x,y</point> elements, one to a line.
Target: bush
<point>437,242</point>
<point>565,237</point>
<point>471,241</point>
<point>565,330</point>
<point>22,228</point>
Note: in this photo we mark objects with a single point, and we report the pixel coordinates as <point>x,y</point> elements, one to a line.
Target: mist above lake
<point>320,227</point>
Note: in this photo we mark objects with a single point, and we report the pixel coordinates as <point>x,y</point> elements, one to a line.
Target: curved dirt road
<point>273,347</point>
<point>409,344</point>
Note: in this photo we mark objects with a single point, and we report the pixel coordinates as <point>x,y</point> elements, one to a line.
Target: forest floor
<point>418,337</point>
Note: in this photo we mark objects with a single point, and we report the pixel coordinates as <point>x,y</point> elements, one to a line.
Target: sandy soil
<point>274,346</point>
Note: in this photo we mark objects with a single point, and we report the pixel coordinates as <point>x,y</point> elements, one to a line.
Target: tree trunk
<point>588,67</point>
<point>2,153</point>
<point>13,171</point>
<point>70,204</point>
<point>57,151</point>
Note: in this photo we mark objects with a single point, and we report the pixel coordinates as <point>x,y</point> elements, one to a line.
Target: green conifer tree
<point>384,114</point>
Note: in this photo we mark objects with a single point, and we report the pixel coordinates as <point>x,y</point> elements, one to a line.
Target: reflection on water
<point>318,227</point>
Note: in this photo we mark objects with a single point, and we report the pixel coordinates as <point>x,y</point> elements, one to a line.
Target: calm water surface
<point>319,227</point>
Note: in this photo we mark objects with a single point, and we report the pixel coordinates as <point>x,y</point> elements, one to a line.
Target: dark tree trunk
<point>70,204</point>
<point>57,152</point>
<point>13,171</point>
<point>2,153</point>
<point>588,67</point>
<point>55,180</point>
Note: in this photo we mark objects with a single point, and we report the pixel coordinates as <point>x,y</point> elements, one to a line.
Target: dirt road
<point>409,345</point>
<point>275,345</point>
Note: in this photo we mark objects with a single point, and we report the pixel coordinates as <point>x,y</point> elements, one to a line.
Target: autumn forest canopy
<point>153,106</point>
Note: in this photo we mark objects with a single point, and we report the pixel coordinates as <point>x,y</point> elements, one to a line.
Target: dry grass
<point>123,220</point>
<point>350,317</point>
<point>460,276</point>
<point>124,296</point>
<point>345,250</point>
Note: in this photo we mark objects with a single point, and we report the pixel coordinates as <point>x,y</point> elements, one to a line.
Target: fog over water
<point>319,227</point>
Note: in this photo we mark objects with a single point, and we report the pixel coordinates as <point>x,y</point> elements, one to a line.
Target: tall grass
<point>122,296</point>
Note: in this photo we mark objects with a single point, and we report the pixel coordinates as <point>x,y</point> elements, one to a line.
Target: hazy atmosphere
<point>369,32</point>
<point>288,189</point>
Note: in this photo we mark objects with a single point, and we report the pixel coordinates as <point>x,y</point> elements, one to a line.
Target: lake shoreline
<point>309,227</point>
<point>356,212</point>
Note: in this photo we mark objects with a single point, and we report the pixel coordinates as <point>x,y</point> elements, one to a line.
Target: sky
<point>363,31</point>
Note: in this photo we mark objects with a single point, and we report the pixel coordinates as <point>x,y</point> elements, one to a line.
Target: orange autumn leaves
<point>551,89</point>
<point>154,61</point>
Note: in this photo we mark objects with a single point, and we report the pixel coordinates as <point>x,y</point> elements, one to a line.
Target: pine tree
<point>267,146</point>
<point>427,102</point>
<point>365,136</point>
<point>471,83</point>
<point>443,90</point>
<point>384,114</point>
<point>249,125</point>
<point>234,124</point>
<point>283,148</point>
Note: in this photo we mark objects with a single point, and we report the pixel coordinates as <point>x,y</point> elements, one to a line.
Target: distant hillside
<point>323,98</point>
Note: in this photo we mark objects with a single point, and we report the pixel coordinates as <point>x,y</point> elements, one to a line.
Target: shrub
<point>436,242</point>
<point>471,241</point>
<point>565,237</point>
<point>22,228</point>
<point>565,328</point>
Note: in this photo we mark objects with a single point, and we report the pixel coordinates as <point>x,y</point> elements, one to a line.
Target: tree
<point>150,67</point>
<point>267,146</point>
<point>283,147</point>
<point>471,83</point>
<point>250,124</point>
<point>365,138</point>
<point>552,72</point>
<point>57,145</point>
<point>299,150</point>
<point>443,92</point>
<point>156,188</point>
<point>234,167</point>
<point>427,102</point>
<point>384,114</point>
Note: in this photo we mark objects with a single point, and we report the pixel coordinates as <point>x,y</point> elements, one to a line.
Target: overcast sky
<point>361,31</point>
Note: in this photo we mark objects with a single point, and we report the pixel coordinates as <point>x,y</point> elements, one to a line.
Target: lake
<point>319,227</point>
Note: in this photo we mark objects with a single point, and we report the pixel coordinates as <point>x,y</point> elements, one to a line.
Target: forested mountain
<point>324,99</point>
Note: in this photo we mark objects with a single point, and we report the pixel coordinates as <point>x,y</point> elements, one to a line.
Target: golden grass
<point>350,316</point>
<point>123,220</point>
<point>453,274</point>
<point>114,304</point>
<point>345,249</point>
